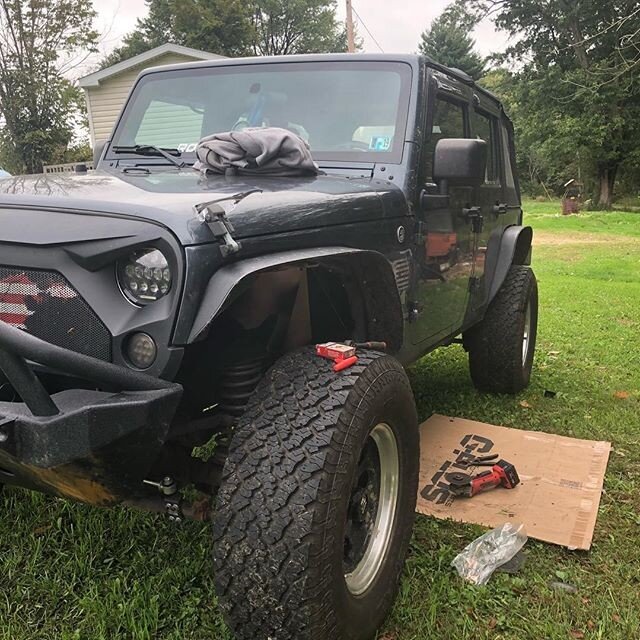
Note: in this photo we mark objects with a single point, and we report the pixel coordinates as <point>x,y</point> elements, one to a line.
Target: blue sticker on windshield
<point>380,143</point>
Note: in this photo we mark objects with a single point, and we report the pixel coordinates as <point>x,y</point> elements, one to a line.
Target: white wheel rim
<point>362,576</point>
<point>526,337</point>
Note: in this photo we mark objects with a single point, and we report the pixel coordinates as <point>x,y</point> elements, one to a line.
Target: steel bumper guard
<point>91,446</point>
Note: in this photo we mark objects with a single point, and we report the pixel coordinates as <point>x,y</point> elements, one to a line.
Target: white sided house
<point>106,90</point>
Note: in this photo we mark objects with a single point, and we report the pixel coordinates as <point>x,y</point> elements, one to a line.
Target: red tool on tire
<point>344,354</point>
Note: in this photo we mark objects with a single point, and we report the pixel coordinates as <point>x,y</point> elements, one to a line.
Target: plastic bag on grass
<point>488,552</point>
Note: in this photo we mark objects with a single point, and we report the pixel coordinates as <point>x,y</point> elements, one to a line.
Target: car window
<point>448,122</point>
<point>344,110</point>
<point>484,128</point>
<point>168,124</point>
<point>508,170</point>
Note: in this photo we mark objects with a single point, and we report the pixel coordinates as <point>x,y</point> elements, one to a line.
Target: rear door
<point>498,208</point>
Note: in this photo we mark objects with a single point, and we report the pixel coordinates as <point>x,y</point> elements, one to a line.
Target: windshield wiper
<point>151,150</point>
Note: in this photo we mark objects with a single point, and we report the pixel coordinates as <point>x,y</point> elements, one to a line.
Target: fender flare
<point>223,282</point>
<point>513,246</point>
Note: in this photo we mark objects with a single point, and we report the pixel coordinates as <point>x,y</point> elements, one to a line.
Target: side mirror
<point>460,161</point>
<point>97,152</point>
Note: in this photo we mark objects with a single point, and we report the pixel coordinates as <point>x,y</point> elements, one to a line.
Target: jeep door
<point>444,241</point>
<point>496,196</point>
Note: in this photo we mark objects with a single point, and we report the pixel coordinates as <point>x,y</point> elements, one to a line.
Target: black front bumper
<point>91,446</point>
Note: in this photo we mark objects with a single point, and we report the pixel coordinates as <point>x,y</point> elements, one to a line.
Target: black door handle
<point>474,216</point>
<point>499,208</point>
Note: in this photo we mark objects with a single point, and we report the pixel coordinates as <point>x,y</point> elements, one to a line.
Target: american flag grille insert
<point>44,304</point>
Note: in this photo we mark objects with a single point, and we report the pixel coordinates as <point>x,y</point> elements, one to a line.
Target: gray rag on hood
<point>268,151</point>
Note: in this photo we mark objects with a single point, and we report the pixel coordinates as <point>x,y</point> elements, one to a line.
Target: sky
<point>394,26</point>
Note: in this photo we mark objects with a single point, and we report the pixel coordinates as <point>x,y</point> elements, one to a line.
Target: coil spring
<point>238,383</point>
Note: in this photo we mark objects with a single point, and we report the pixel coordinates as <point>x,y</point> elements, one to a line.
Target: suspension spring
<point>238,383</point>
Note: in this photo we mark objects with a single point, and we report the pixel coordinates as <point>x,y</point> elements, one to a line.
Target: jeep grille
<point>44,304</point>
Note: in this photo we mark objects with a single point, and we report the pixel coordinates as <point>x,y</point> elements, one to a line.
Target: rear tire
<point>316,507</point>
<point>501,347</point>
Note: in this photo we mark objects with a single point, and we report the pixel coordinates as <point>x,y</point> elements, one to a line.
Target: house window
<point>170,124</point>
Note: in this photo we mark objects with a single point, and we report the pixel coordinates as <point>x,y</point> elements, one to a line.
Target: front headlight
<point>145,276</point>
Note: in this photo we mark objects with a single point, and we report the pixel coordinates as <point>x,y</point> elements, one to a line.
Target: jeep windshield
<point>345,110</point>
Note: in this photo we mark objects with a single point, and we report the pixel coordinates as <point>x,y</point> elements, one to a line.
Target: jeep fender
<point>382,306</point>
<point>513,246</point>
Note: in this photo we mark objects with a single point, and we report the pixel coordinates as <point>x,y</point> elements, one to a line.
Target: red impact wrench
<point>502,474</point>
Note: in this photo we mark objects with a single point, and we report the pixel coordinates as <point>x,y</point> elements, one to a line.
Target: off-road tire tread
<point>270,567</point>
<point>495,344</point>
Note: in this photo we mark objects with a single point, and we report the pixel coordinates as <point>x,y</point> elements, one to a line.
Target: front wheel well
<point>266,314</point>
<point>274,311</point>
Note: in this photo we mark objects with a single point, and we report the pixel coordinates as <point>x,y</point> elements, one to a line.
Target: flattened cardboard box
<point>560,479</point>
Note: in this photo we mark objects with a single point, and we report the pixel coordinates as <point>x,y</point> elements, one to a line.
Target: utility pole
<point>351,43</point>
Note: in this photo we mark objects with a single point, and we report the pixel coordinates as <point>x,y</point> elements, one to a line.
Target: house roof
<point>94,79</point>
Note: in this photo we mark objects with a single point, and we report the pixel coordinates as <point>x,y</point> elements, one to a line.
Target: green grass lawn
<point>69,571</point>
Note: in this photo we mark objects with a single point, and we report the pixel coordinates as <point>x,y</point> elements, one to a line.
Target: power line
<point>366,28</point>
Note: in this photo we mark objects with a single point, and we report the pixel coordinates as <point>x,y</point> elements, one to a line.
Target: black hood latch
<point>215,217</point>
<point>222,229</point>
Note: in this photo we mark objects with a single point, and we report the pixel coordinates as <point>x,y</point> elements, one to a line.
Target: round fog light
<point>141,350</point>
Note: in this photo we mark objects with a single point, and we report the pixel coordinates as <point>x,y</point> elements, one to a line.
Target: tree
<point>544,161</point>
<point>38,105</point>
<point>283,27</point>
<point>580,64</point>
<point>447,41</point>
<point>236,27</point>
<point>220,26</point>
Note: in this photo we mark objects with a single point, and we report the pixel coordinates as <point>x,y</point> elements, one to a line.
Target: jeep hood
<point>168,197</point>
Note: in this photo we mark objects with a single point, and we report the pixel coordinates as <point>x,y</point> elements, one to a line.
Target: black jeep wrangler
<point>158,326</point>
